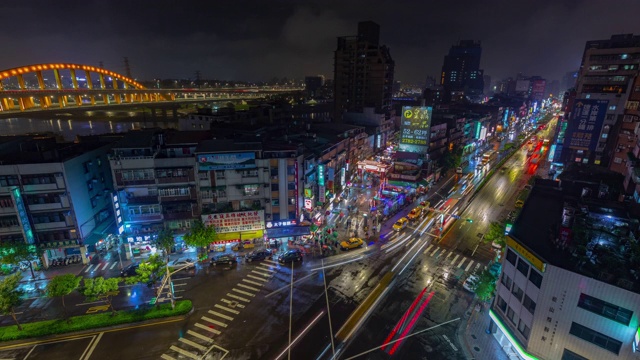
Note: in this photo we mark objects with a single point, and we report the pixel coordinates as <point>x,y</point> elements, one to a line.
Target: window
<point>523,267</point>
<point>517,292</point>
<point>570,355</point>
<point>506,281</point>
<point>502,305</point>
<point>275,187</point>
<point>9,180</point>
<point>275,202</point>
<point>511,257</point>
<point>511,315</point>
<point>529,304</point>
<point>612,108</point>
<point>535,278</point>
<point>291,170</point>
<point>595,338</point>
<point>253,189</point>
<point>524,329</point>
<point>606,309</point>
<point>291,186</point>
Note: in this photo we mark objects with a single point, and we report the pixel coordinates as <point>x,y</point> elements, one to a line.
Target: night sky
<point>257,40</point>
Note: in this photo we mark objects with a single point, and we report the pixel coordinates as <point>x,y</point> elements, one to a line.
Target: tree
<point>165,241</point>
<point>101,288</point>
<point>496,233</point>
<point>10,296</point>
<point>20,253</point>
<point>61,286</point>
<point>485,286</point>
<point>200,236</point>
<point>148,272</point>
<point>451,158</point>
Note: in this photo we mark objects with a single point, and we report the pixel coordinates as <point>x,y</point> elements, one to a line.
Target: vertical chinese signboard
<point>585,124</point>
<point>23,217</point>
<point>415,128</point>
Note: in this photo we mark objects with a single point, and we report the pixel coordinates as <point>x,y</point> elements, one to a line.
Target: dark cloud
<point>256,40</point>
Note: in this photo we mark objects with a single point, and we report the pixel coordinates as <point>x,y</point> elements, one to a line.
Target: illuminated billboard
<point>225,161</point>
<point>415,127</point>
<point>583,128</point>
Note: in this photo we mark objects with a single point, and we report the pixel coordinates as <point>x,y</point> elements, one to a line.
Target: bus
<point>488,157</point>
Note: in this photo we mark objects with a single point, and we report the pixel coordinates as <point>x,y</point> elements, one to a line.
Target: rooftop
<point>600,243</point>
<point>41,149</point>
<point>216,146</point>
<point>137,139</point>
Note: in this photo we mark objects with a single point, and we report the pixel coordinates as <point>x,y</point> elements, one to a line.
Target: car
<point>415,213</point>
<point>225,259</point>
<point>130,270</point>
<point>351,243</point>
<point>459,170</point>
<point>496,245</point>
<point>257,255</point>
<point>400,224</point>
<point>425,205</point>
<point>182,263</point>
<point>471,283</point>
<point>289,256</point>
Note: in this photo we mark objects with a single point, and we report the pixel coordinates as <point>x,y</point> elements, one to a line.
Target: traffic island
<point>92,321</point>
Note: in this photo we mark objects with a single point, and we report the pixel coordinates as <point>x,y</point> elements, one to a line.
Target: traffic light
<point>469,220</point>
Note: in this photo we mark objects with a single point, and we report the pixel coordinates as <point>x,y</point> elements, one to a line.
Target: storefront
<point>236,226</point>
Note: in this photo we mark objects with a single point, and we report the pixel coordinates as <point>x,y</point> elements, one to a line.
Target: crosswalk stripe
<point>184,352</point>
<point>232,303</point>
<point>105,266</point>
<point>214,321</point>
<point>226,309</point>
<point>266,268</point>
<point>88,268</point>
<point>427,250</point>
<point>114,264</point>
<point>451,253</point>
<point>199,336</point>
<point>248,287</point>
<point>455,258</point>
<point>469,266</point>
<point>443,252</point>
<point>194,344</point>
<point>167,357</point>
<point>252,282</point>
<point>238,298</point>
<point>204,327</point>
<point>257,278</point>
<point>243,292</point>
<point>260,273</point>
<point>271,261</point>
<point>461,261</point>
<point>435,251</point>
<point>226,317</point>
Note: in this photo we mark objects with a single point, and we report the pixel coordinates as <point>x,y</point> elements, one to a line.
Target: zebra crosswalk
<point>200,340</point>
<point>452,258</point>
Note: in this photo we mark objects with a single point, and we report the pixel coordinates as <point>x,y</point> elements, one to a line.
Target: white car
<point>185,263</point>
<point>470,283</point>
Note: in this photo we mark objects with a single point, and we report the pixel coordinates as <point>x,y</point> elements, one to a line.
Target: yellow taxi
<point>400,224</point>
<point>415,213</point>
<point>351,243</point>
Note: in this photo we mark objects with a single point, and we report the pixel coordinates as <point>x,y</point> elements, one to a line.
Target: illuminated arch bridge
<point>51,86</point>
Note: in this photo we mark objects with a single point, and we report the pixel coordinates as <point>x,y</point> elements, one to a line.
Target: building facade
<point>461,74</point>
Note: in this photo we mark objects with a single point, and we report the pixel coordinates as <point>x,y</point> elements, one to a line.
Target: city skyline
<point>257,41</point>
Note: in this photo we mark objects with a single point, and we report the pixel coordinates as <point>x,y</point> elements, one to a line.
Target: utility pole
<point>127,68</point>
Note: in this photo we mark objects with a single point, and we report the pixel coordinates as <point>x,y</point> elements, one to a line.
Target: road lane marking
<point>257,278</point>
<point>455,258</point>
<point>461,261</point>
<point>93,346</point>
<point>214,321</point>
<point>243,292</point>
<point>232,303</point>
<point>199,336</point>
<point>260,273</point>
<point>226,317</point>
<point>469,266</point>
<point>429,248</point>
<point>193,344</point>
<point>238,297</point>
<point>205,327</point>
<point>112,266</point>
<point>252,282</point>
<point>88,268</point>
<point>184,352</point>
<point>248,287</point>
<point>226,309</point>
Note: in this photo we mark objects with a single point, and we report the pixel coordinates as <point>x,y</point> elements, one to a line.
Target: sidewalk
<point>472,335</point>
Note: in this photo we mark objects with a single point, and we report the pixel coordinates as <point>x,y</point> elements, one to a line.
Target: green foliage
<point>61,286</point>
<point>10,296</point>
<point>485,287</point>
<point>496,233</point>
<point>19,252</point>
<point>200,235</point>
<point>148,272</point>
<point>165,241</point>
<point>101,288</point>
<point>93,321</point>
<point>451,158</point>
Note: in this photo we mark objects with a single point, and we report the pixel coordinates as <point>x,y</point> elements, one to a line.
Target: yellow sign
<point>408,114</point>
<point>534,260</point>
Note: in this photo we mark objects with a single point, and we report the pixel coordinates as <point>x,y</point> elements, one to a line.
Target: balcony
<point>144,217</point>
<point>179,215</point>
<point>10,230</point>
<point>7,211</point>
<point>142,200</point>
<point>49,206</point>
<point>172,198</point>
<point>123,182</point>
<point>175,180</point>
<point>41,187</point>
<point>51,225</point>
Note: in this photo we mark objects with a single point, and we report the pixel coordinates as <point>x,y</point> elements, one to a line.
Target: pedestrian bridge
<point>53,86</point>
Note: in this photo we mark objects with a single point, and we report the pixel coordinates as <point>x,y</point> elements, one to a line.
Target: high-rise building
<point>605,80</point>
<point>363,72</point>
<point>461,73</point>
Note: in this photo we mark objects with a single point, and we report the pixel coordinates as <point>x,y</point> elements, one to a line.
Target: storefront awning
<point>244,235</point>
<point>288,231</point>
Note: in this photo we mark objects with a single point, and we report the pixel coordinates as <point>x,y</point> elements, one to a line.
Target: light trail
<point>338,264</point>
<point>304,331</point>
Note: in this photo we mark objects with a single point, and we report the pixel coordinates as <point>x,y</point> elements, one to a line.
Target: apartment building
<point>55,195</point>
